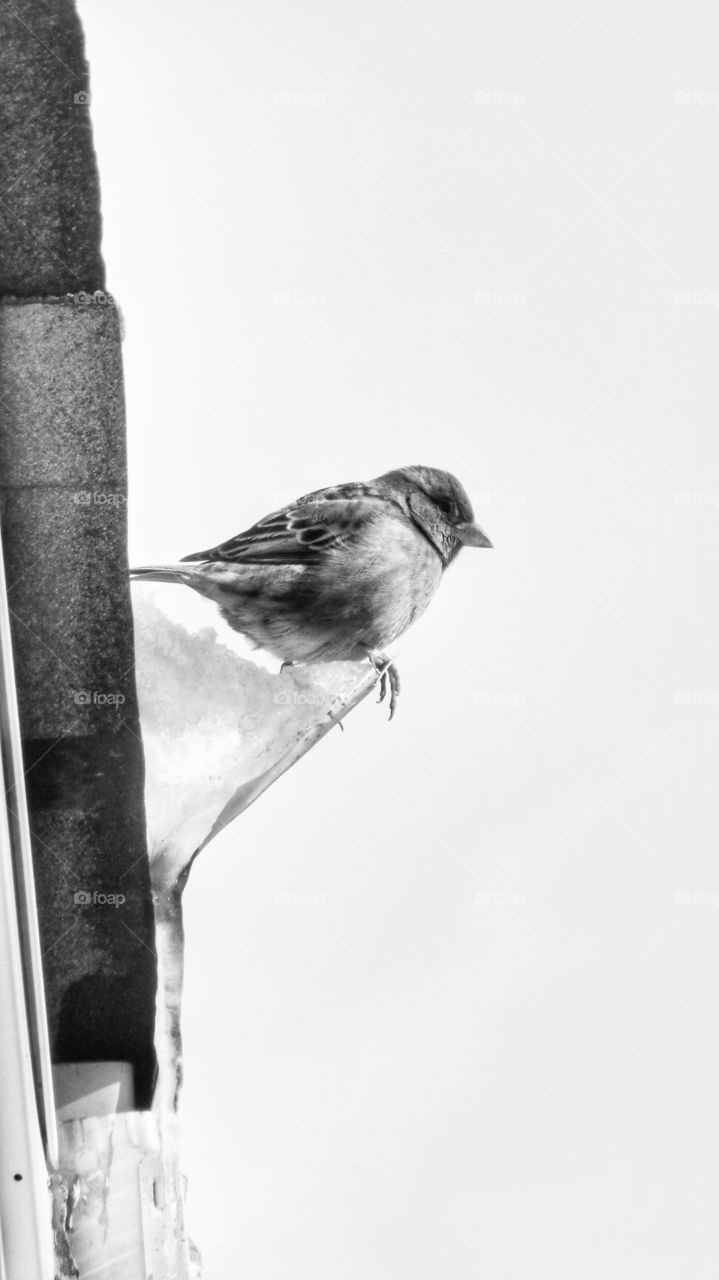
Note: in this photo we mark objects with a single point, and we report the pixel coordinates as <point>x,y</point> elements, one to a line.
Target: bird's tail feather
<point>163,573</point>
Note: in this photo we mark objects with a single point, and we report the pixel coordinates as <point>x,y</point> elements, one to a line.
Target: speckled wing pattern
<point>306,530</point>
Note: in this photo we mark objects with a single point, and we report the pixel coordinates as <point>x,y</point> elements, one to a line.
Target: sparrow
<point>340,574</point>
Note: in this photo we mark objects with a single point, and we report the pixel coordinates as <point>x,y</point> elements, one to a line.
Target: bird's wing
<point>305,531</point>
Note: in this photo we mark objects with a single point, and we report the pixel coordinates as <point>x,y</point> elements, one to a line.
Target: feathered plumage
<point>342,572</point>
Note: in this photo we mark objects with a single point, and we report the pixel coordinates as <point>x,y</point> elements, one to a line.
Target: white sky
<point>482,238</point>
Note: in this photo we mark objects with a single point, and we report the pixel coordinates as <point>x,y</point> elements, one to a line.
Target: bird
<point>339,574</point>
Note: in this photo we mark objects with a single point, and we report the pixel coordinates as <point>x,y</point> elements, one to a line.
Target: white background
<point>451,984</point>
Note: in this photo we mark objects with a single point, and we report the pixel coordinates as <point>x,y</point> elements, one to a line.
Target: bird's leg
<point>388,675</point>
<point>336,721</point>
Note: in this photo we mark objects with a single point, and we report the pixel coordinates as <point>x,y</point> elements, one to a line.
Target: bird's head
<point>438,504</point>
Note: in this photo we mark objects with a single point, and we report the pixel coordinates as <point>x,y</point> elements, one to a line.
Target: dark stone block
<point>50,223</point>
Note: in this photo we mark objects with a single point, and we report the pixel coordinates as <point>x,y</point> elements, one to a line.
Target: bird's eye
<point>445,506</point>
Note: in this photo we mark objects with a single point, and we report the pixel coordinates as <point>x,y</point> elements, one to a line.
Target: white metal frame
<point>27,1109</point>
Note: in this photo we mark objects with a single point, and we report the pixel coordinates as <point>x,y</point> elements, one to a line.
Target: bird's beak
<point>470,535</point>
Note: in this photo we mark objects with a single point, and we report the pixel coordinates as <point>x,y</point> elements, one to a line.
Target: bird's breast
<point>392,574</point>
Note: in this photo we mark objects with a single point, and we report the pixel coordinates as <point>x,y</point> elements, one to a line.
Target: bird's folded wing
<point>304,532</point>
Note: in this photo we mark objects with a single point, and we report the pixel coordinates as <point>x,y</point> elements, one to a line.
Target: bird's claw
<point>388,678</point>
